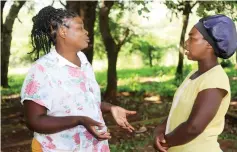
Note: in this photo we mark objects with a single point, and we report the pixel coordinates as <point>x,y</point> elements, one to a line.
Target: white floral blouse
<point>65,90</point>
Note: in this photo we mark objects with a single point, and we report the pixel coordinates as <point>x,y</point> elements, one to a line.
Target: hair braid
<point>45,26</point>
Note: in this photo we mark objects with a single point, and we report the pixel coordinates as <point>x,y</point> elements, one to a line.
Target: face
<point>196,46</point>
<point>75,34</point>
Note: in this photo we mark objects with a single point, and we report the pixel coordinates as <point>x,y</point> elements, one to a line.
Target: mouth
<point>186,52</point>
<point>87,40</point>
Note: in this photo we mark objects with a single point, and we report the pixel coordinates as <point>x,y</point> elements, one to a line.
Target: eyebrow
<point>190,34</point>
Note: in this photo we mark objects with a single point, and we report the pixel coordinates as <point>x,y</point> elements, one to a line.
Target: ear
<point>209,47</point>
<point>62,32</point>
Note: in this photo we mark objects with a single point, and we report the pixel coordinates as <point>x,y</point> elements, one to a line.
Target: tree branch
<point>52,3</point>
<point>15,8</point>
<point>194,4</point>
<point>122,41</point>
<point>19,19</point>
<point>104,24</point>
<point>62,3</point>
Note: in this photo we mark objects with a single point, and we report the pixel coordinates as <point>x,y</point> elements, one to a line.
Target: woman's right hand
<point>91,126</point>
<point>159,133</point>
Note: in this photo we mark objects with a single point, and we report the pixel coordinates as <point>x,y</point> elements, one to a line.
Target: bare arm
<point>204,110</point>
<point>105,107</point>
<point>37,120</point>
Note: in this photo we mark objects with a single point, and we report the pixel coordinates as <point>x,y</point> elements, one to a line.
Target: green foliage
<point>226,135</point>
<point>130,145</point>
<point>15,82</point>
<point>228,8</point>
<point>158,80</point>
<point>177,7</point>
<point>226,63</point>
<point>149,51</point>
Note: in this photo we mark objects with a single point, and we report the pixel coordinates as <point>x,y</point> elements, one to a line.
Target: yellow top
<point>183,101</point>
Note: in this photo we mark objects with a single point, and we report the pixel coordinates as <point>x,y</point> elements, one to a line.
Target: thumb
<point>162,138</point>
<point>130,112</point>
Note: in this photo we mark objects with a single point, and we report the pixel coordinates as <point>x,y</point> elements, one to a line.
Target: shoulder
<point>43,64</point>
<point>215,78</point>
<point>217,74</point>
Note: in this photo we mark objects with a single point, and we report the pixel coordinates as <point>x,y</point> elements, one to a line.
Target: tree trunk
<point>6,37</point>
<point>186,12</point>
<point>236,60</point>
<point>150,56</point>
<point>111,89</point>
<point>87,11</point>
<point>112,51</point>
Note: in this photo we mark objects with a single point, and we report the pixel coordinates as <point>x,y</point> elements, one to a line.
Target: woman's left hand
<point>120,115</point>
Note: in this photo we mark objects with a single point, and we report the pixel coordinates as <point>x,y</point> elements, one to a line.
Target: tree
<point>114,36</point>
<point>148,48</point>
<point>185,7</point>
<point>6,37</point>
<point>224,7</point>
<point>87,11</point>
<point>205,8</point>
<point>112,49</point>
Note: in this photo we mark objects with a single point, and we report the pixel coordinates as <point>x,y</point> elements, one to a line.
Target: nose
<point>86,32</point>
<point>185,44</point>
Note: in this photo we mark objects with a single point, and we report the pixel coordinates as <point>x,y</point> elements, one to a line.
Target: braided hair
<point>45,26</point>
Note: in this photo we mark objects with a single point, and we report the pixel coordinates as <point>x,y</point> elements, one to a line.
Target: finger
<point>162,138</point>
<point>105,136</point>
<point>128,125</point>
<point>105,133</point>
<point>128,129</point>
<point>130,112</point>
<point>158,145</point>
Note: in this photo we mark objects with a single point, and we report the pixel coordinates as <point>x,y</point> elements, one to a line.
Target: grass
<point>15,83</point>
<point>128,80</point>
<point>130,145</point>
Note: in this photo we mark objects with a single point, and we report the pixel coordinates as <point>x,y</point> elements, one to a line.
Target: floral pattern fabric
<point>65,90</point>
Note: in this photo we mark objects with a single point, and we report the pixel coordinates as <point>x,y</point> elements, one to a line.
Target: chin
<point>190,58</point>
<point>84,47</point>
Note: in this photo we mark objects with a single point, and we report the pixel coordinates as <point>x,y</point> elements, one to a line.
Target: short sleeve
<point>37,87</point>
<point>215,80</point>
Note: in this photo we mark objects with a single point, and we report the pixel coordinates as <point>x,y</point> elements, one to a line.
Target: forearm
<point>49,124</point>
<point>161,127</point>
<point>183,134</point>
<point>106,107</point>
<point>164,123</point>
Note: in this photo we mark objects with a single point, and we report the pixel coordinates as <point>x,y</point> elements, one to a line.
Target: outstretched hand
<point>120,115</point>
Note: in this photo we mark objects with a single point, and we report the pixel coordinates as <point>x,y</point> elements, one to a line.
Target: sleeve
<point>37,87</point>
<point>217,80</point>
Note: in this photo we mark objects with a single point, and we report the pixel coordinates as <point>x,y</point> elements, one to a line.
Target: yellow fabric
<point>36,147</point>
<point>206,141</point>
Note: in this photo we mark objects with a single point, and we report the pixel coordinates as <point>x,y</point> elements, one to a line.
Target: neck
<point>206,64</point>
<point>68,53</point>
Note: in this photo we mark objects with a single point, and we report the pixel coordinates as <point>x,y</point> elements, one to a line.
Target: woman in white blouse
<point>60,95</point>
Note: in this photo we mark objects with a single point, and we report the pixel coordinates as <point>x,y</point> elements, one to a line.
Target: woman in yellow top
<point>199,106</point>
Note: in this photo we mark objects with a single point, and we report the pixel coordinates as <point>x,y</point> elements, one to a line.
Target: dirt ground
<point>15,137</point>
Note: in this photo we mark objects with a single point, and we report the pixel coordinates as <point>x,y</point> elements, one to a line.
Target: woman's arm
<point>38,121</point>
<point>106,107</point>
<point>204,110</point>
<point>120,115</point>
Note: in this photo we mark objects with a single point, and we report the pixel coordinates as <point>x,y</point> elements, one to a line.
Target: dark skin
<point>70,38</point>
<point>206,103</point>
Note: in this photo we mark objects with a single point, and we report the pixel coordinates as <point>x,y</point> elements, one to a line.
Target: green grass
<point>130,145</point>
<point>229,136</point>
<point>15,83</point>
<point>128,80</point>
